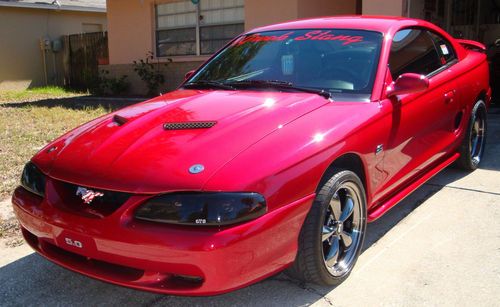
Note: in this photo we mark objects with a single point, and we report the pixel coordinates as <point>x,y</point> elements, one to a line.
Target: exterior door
<point>422,123</point>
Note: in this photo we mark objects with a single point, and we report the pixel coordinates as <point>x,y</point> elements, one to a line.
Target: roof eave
<point>54,7</point>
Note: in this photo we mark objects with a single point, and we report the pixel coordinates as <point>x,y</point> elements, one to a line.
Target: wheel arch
<point>480,96</point>
<point>469,106</point>
<point>348,161</point>
<point>483,96</point>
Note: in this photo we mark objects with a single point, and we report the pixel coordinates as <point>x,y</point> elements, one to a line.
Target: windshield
<point>333,60</point>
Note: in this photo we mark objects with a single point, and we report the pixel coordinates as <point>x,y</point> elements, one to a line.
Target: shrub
<point>109,85</point>
<point>118,86</point>
<point>151,73</point>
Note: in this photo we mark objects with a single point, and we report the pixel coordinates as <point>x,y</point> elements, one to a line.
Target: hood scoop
<point>119,120</point>
<point>189,125</point>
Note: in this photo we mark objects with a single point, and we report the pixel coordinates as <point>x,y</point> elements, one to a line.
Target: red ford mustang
<point>273,155</point>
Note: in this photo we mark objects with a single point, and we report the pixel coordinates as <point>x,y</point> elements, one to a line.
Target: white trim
<point>53,7</point>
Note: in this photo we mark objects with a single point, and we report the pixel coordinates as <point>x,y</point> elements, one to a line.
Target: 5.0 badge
<point>73,242</point>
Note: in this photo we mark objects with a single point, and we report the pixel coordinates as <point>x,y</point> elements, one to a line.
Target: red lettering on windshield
<point>329,36</point>
<point>316,35</point>
<point>255,38</point>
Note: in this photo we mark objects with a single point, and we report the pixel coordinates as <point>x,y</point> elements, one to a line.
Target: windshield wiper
<point>280,85</point>
<point>208,84</point>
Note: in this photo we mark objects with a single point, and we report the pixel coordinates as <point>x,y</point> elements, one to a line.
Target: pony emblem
<point>87,195</point>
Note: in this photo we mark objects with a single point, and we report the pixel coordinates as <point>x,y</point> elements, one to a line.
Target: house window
<point>184,28</point>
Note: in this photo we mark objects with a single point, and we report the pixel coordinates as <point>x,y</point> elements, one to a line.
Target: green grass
<point>30,119</point>
<point>25,130</point>
<point>37,93</point>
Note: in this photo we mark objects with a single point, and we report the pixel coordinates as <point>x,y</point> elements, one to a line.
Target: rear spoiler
<point>472,45</point>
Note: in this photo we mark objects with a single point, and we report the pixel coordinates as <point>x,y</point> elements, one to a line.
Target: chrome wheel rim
<point>343,229</point>
<point>476,142</point>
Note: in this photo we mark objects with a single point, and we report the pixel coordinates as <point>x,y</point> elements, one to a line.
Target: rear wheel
<point>333,232</point>
<point>472,148</point>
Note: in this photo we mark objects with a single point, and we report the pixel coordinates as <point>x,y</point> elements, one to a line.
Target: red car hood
<point>141,156</point>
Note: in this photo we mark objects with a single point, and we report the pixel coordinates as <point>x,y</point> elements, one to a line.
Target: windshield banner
<point>316,35</point>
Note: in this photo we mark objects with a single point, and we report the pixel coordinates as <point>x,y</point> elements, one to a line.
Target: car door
<point>422,123</point>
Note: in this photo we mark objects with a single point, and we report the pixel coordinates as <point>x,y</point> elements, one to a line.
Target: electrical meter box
<point>57,45</point>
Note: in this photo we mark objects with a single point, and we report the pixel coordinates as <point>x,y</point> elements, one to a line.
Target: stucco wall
<point>260,12</point>
<point>315,8</point>
<point>21,64</point>
<point>383,7</point>
<point>263,12</point>
<point>131,22</point>
<point>130,29</point>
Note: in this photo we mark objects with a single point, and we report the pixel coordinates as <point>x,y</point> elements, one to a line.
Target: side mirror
<point>407,83</point>
<point>189,74</point>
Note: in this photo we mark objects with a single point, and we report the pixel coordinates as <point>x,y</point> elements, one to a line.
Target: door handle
<point>449,96</point>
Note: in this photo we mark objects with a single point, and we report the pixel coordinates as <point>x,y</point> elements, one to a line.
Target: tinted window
<point>337,60</point>
<point>444,48</point>
<point>413,51</point>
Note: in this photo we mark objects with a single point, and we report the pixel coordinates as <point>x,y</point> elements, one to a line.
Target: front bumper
<point>162,258</point>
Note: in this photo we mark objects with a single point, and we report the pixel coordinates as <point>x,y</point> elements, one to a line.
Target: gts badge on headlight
<point>87,195</point>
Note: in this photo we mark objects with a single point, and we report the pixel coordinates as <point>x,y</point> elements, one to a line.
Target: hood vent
<point>188,125</point>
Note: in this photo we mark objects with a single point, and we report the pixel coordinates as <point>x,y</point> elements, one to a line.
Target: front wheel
<point>333,232</point>
<point>473,144</point>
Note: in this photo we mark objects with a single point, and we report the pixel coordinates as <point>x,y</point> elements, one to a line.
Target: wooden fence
<point>83,55</point>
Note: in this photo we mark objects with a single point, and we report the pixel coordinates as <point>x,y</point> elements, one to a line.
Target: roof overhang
<point>53,7</point>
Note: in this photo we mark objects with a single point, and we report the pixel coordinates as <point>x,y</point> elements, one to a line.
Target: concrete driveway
<point>440,246</point>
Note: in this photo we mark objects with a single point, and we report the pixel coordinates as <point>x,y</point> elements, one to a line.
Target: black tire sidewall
<point>466,161</point>
<point>321,204</point>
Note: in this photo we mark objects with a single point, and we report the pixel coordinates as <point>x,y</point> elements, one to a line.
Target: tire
<point>331,239</point>
<point>472,147</point>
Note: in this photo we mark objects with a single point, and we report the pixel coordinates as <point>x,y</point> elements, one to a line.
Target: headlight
<point>33,179</point>
<point>203,208</point>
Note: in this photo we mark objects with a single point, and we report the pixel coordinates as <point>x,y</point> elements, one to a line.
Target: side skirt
<point>379,210</point>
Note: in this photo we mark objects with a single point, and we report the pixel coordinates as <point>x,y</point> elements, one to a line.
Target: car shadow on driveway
<point>33,280</point>
<point>447,178</point>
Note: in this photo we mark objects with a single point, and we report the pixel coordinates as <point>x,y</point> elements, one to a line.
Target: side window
<point>444,48</point>
<point>413,51</point>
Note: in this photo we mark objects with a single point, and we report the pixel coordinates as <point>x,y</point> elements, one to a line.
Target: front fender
<point>289,163</point>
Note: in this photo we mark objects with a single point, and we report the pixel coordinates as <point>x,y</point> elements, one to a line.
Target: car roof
<point>362,22</point>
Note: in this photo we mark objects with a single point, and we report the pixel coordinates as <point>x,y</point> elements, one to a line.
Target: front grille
<point>99,207</point>
<point>188,125</point>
